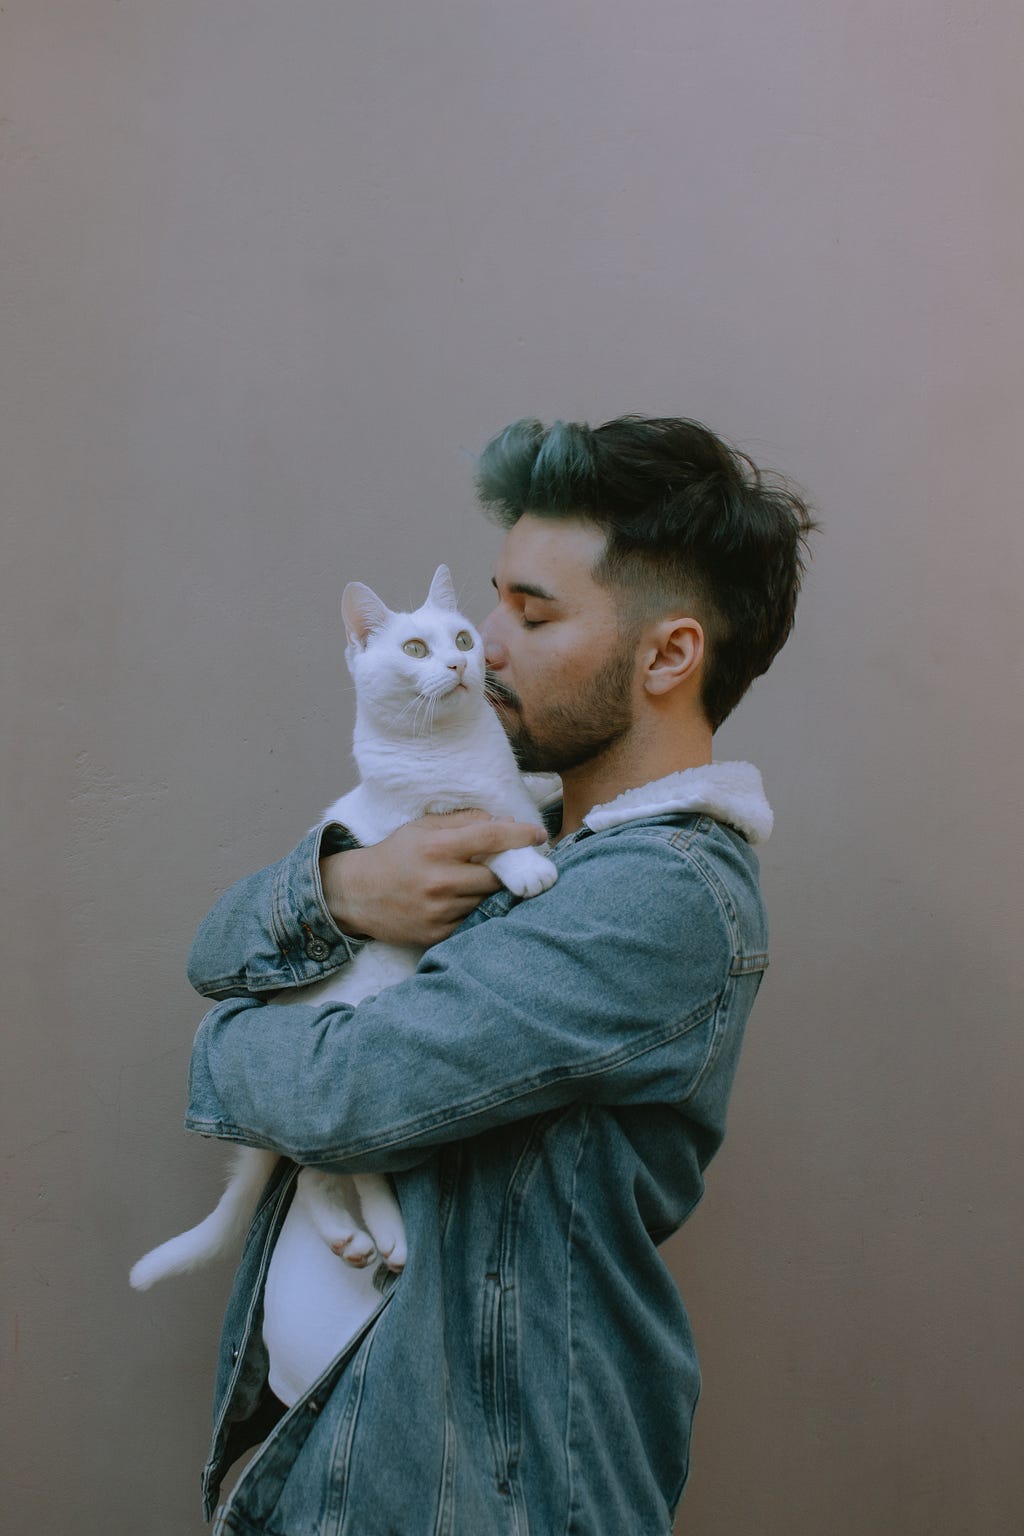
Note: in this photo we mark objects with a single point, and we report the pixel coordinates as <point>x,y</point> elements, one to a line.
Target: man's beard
<point>574,731</point>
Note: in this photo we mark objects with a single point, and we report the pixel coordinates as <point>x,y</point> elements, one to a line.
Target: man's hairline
<point>631,614</point>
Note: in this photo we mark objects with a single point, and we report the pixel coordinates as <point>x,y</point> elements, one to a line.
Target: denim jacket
<point>546,1092</point>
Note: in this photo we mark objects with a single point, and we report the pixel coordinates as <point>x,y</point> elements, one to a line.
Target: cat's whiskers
<point>422,714</point>
<point>414,704</point>
<point>424,706</point>
<point>496,692</point>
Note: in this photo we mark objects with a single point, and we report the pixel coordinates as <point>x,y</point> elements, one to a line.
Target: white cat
<point>425,740</point>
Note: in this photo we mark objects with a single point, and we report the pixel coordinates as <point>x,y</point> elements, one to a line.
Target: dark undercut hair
<point>692,527</point>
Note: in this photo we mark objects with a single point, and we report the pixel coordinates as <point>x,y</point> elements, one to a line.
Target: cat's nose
<point>458,666</point>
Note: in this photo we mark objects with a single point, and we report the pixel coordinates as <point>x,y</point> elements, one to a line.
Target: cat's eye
<point>416,648</point>
<point>464,640</point>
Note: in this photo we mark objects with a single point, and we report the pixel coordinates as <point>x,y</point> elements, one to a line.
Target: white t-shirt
<point>313,1305</point>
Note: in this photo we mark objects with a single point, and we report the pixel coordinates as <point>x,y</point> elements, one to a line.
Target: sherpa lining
<point>729,792</point>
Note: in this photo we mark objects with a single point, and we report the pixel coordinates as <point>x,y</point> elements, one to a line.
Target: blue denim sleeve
<point>273,929</point>
<point>621,984</point>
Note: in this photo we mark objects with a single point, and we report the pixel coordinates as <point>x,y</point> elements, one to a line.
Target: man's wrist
<point>337,879</point>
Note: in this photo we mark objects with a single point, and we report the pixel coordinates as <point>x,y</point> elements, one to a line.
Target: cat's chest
<point>464,787</point>
<point>384,803</point>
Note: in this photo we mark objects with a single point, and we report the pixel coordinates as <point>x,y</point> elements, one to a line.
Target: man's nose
<point>494,653</point>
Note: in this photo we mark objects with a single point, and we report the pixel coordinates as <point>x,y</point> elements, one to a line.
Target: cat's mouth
<point>452,691</point>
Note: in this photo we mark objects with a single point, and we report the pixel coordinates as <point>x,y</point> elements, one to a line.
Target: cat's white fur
<point>425,740</point>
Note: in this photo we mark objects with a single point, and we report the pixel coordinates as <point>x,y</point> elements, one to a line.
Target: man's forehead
<point>548,556</point>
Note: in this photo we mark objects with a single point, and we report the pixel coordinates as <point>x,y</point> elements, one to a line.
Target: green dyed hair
<point>692,526</point>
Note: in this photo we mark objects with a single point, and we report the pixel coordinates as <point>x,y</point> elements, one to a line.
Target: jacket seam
<point>696,861</point>
<point>248,984</point>
<point>277,923</point>
<point>570,1461</point>
<point>347,1428</point>
<point>511,1333</point>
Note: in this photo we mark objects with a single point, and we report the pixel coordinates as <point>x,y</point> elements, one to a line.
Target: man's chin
<point>529,758</point>
<point>507,712</point>
<point>519,738</point>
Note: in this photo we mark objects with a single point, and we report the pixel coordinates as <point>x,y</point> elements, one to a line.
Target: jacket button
<point>313,1406</point>
<point>316,948</point>
<point>234,1353</point>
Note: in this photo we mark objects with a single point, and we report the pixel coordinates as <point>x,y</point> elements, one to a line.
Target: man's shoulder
<point>677,869</point>
<point>677,847</point>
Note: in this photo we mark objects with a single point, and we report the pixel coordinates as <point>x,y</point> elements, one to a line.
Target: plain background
<point>270,276</point>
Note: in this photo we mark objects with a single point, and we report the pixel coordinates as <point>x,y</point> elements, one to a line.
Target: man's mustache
<point>498,690</point>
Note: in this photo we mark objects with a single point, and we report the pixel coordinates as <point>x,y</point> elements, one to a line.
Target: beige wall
<point>268,275</point>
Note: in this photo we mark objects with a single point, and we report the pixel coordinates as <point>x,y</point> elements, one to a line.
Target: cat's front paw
<point>524,871</point>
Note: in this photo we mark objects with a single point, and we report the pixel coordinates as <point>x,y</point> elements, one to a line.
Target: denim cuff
<point>273,931</point>
<point>311,943</point>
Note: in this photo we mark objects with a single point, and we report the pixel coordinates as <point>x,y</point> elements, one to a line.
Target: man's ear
<point>675,655</point>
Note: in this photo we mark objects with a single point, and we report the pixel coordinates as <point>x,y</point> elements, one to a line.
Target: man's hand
<point>417,885</point>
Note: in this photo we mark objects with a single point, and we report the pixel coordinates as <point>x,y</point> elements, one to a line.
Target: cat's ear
<point>442,590</point>
<point>362,611</point>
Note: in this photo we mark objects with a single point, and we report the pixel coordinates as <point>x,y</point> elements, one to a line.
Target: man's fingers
<point>478,840</point>
<point>468,884</point>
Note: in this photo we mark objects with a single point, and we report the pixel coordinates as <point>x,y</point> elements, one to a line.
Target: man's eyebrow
<point>527,589</point>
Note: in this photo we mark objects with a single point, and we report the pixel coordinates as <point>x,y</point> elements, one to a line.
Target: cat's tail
<point>222,1231</point>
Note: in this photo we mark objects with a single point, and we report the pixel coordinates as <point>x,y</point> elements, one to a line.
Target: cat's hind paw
<point>383,1219</point>
<point>395,1256</point>
<point>524,871</point>
<point>356,1248</point>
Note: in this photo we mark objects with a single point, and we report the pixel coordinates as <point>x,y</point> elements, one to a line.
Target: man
<point>548,1088</point>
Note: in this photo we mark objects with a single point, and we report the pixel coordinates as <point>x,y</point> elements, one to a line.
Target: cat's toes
<point>359,1260</point>
<point>542,880</point>
<point>536,881</point>
<point>524,871</point>
<point>394,1257</point>
<point>356,1248</point>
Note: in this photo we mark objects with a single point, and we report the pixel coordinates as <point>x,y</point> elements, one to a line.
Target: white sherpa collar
<point>730,792</point>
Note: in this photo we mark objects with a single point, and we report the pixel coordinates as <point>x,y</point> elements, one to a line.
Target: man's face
<point>559,664</point>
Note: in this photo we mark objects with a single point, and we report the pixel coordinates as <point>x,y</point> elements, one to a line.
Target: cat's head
<point>413,671</point>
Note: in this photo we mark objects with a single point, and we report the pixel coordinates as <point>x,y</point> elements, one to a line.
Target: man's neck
<point>629,763</point>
